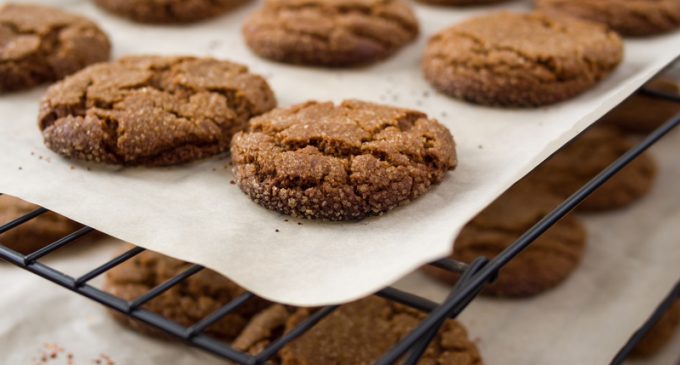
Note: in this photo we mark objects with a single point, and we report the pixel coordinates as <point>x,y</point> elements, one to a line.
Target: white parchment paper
<point>192,212</point>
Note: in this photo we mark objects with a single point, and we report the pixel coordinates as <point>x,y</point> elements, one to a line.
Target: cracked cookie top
<point>340,162</point>
<point>543,265</point>
<point>514,59</point>
<point>356,333</point>
<point>168,11</point>
<point>330,32</point>
<point>628,17</point>
<point>40,44</point>
<point>147,110</point>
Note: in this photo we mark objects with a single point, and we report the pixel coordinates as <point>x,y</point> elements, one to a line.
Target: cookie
<point>520,60</point>
<point>662,332</point>
<point>549,260</point>
<point>151,111</point>
<point>628,17</point>
<point>330,32</point>
<point>168,11</point>
<point>462,2</point>
<point>340,162</point>
<point>581,160</point>
<point>40,44</point>
<point>36,233</point>
<point>186,303</point>
<point>643,114</point>
<point>356,333</point>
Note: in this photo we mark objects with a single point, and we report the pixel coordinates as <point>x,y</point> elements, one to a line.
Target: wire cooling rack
<point>473,277</point>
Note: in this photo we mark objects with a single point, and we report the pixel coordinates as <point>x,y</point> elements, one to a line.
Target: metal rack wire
<point>473,277</point>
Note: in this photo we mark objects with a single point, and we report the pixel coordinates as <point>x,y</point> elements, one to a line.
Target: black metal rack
<point>409,350</point>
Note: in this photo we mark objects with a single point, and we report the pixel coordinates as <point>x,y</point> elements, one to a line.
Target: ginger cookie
<point>546,263</point>
<point>186,303</point>
<point>662,332</point>
<point>36,233</point>
<point>462,2</point>
<point>40,44</point>
<point>151,111</point>
<point>581,160</point>
<point>330,32</point>
<point>520,60</point>
<point>168,11</point>
<point>628,17</point>
<point>641,113</point>
<point>357,333</point>
<point>340,162</point>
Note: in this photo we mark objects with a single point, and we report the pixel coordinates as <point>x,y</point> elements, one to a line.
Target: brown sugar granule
<point>341,162</point>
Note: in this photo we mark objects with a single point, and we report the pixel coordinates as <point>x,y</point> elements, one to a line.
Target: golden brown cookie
<point>581,160</point>
<point>520,60</point>
<point>641,113</point>
<point>36,233</point>
<point>186,303</point>
<point>40,44</point>
<point>544,265</point>
<point>168,11</point>
<point>662,332</point>
<point>330,32</point>
<point>340,162</point>
<point>357,333</point>
<point>151,111</point>
<point>628,17</point>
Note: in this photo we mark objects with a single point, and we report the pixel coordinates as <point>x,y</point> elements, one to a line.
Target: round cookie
<point>643,114</point>
<point>462,2</point>
<point>662,332</point>
<point>355,333</point>
<point>168,11</point>
<point>546,263</point>
<point>340,162</point>
<point>628,17</point>
<point>36,233</point>
<point>330,32</point>
<point>40,44</point>
<point>581,160</point>
<point>186,303</point>
<point>520,60</point>
<point>151,110</point>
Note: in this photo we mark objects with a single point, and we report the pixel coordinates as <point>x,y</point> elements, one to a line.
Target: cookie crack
<point>484,49</point>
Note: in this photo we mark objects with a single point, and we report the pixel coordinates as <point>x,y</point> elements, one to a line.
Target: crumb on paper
<point>232,182</point>
<point>277,230</point>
